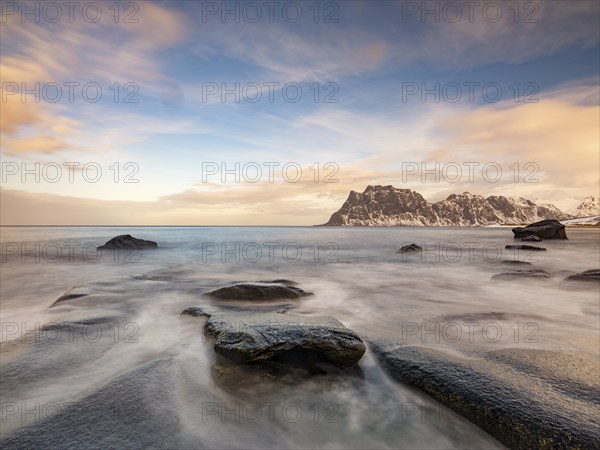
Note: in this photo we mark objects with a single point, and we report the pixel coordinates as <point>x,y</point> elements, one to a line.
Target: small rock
<point>516,263</point>
<point>524,247</point>
<point>588,275</point>
<point>532,273</point>
<point>410,248</point>
<point>127,242</point>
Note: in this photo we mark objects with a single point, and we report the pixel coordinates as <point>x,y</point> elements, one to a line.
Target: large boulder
<point>127,242</point>
<point>259,290</point>
<point>526,398</point>
<point>257,337</point>
<point>544,229</point>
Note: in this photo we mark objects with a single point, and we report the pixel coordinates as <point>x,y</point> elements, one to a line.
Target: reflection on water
<point>144,364</point>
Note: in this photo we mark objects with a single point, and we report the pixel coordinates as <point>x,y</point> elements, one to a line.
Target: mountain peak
<point>388,206</point>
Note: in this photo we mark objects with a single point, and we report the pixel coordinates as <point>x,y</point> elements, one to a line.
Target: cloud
<point>104,53</point>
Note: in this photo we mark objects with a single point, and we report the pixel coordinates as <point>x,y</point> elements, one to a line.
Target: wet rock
<point>285,338</point>
<point>410,248</point>
<point>76,292</point>
<point>532,273</point>
<point>259,290</point>
<point>516,263</point>
<point>127,242</point>
<point>544,229</point>
<point>521,406</point>
<point>525,247</point>
<point>531,238</point>
<point>588,275</point>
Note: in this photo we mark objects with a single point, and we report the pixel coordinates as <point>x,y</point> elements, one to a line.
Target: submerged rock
<point>544,229</point>
<point>516,263</point>
<point>525,247</point>
<point>531,273</point>
<point>259,290</point>
<point>518,396</point>
<point>256,337</point>
<point>410,248</point>
<point>127,242</point>
<point>588,275</point>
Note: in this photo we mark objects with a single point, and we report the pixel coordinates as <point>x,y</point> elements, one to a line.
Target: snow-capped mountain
<point>388,206</point>
<point>588,208</point>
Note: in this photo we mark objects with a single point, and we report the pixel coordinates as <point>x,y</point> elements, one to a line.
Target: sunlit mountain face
<point>316,224</point>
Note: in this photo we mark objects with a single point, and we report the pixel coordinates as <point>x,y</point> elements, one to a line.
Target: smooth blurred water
<point>357,276</point>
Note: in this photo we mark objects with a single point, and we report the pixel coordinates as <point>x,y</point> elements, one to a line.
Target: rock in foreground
<point>259,290</point>
<point>258,337</point>
<point>522,397</point>
<point>544,229</point>
<point>127,242</point>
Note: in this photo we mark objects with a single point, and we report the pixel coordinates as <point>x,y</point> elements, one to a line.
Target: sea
<point>127,370</point>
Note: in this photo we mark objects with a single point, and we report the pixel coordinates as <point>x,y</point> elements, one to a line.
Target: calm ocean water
<point>356,276</point>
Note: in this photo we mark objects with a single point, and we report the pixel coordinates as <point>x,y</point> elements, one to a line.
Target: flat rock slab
<point>512,394</point>
<point>259,290</point>
<point>544,229</point>
<point>127,242</point>
<point>257,337</point>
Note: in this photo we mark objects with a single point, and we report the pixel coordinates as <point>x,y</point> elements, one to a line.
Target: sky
<point>270,113</point>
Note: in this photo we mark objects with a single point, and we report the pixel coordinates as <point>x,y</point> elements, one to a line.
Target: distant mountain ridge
<point>389,206</point>
<point>589,207</point>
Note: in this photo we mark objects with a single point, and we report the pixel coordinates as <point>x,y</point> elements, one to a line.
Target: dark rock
<point>516,263</point>
<point>524,247</point>
<point>285,338</point>
<point>532,273</point>
<point>260,290</point>
<point>521,408</point>
<point>531,238</point>
<point>127,242</point>
<point>544,229</point>
<point>410,248</point>
<point>588,275</point>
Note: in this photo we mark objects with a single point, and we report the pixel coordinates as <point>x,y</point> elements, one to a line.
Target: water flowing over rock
<point>531,273</point>
<point>497,392</point>
<point>256,337</point>
<point>259,290</point>
<point>588,275</point>
<point>127,242</point>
